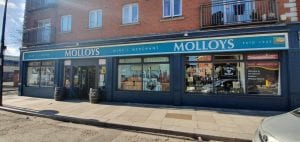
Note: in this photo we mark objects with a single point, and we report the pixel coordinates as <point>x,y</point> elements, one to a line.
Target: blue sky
<point>14,25</point>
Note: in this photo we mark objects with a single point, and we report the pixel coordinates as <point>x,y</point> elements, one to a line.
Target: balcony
<point>39,36</point>
<point>40,4</point>
<point>220,13</point>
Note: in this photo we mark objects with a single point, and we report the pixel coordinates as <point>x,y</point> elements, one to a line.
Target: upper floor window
<point>172,8</point>
<point>130,13</point>
<point>44,31</point>
<point>95,18</point>
<point>66,23</point>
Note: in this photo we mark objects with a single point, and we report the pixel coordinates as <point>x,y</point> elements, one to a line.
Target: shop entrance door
<point>84,80</point>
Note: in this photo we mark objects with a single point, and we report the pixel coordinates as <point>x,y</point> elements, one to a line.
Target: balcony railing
<point>39,36</point>
<point>229,13</point>
<point>40,4</point>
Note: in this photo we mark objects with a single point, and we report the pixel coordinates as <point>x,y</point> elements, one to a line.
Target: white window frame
<point>172,5</point>
<point>69,23</point>
<point>130,13</point>
<point>44,29</point>
<point>99,14</point>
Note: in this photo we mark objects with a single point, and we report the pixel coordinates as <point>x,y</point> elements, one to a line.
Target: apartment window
<point>144,74</point>
<point>172,8</point>
<point>95,18</point>
<point>233,74</point>
<point>44,31</point>
<point>40,74</point>
<point>130,13</point>
<point>66,23</point>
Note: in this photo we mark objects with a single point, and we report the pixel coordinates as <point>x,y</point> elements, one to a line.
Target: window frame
<point>97,18</point>
<point>172,12</point>
<point>245,61</point>
<point>69,23</point>
<point>130,12</point>
<point>142,63</point>
<point>40,73</point>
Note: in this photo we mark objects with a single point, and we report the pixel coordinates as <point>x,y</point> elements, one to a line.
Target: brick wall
<point>150,11</point>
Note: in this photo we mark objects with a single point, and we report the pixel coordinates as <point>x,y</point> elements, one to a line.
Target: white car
<point>280,128</point>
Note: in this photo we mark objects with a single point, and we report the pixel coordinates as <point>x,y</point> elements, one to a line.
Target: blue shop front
<point>237,71</point>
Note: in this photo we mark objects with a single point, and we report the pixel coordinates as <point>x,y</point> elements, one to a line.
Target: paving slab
<point>229,124</point>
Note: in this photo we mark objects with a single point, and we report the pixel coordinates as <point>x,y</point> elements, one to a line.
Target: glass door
<point>84,79</point>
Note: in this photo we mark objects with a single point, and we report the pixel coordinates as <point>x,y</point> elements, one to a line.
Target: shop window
<point>144,74</point>
<point>233,74</point>
<point>263,78</point>
<point>130,77</point>
<point>33,73</point>
<point>199,77</point>
<point>229,78</point>
<point>40,74</point>
<point>47,74</point>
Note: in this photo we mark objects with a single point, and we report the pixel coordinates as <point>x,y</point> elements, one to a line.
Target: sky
<point>14,25</point>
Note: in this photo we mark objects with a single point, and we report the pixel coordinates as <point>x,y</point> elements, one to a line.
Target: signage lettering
<point>82,52</point>
<point>276,41</point>
<point>206,45</point>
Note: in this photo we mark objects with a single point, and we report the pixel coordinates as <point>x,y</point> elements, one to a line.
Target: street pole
<point>3,47</point>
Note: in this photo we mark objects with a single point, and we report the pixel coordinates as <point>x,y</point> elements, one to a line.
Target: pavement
<point>207,123</point>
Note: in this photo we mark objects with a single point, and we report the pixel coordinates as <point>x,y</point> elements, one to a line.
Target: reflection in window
<point>229,78</point>
<point>199,77</point>
<point>144,74</point>
<point>263,78</point>
<point>67,82</point>
<point>47,74</point>
<point>156,77</point>
<point>40,74</point>
<point>130,77</point>
<point>33,74</point>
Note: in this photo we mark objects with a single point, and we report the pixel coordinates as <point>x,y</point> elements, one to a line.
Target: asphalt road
<point>21,128</point>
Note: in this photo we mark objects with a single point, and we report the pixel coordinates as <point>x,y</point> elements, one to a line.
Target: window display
<point>40,74</point>
<point>156,77</point>
<point>227,74</point>
<point>33,74</point>
<point>47,74</point>
<point>229,78</point>
<point>199,77</point>
<point>263,78</point>
<point>130,77</point>
<point>144,74</point>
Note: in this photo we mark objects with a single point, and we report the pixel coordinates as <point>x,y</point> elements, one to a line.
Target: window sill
<point>165,19</point>
<point>96,28</point>
<point>66,32</point>
<point>130,24</point>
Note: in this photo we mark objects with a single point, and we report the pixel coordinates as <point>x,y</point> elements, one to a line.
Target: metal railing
<point>228,12</point>
<point>40,4</point>
<point>38,36</point>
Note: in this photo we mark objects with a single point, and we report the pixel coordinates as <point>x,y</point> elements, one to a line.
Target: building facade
<point>233,54</point>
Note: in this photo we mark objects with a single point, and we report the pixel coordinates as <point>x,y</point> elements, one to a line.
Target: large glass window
<point>33,73</point>
<point>233,74</point>
<point>144,74</point>
<point>199,77</point>
<point>47,74</point>
<point>263,76</point>
<point>40,74</point>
